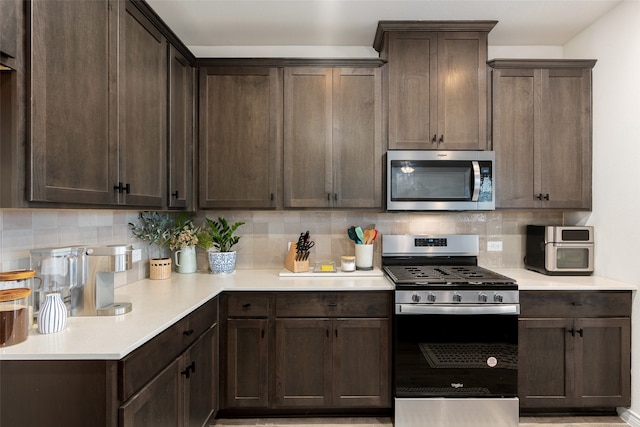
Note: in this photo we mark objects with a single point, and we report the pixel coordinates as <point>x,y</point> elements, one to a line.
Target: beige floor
<point>604,421</point>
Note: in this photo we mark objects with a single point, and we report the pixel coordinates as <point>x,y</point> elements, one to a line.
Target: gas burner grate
<point>424,274</point>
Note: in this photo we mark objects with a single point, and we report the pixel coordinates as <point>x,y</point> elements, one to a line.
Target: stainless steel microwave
<point>428,180</point>
<point>560,250</point>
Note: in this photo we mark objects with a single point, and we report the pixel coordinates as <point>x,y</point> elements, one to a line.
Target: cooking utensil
<point>352,234</point>
<point>360,234</point>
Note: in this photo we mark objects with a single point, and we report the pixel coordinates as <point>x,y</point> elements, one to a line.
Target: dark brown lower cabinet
<point>337,363</point>
<point>169,381</point>
<point>574,350</point>
<point>247,372</point>
<point>330,352</point>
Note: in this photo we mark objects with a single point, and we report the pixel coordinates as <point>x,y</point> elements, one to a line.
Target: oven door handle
<point>454,309</point>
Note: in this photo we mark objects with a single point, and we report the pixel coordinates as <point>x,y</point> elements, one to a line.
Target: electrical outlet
<point>136,255</point>
<point>494,246</point>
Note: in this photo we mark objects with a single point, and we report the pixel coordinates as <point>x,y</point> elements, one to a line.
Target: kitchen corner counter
<point>532,281</point>
<point>158,304</point>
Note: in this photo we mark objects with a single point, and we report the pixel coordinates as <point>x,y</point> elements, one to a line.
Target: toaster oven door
<point>569,258</point>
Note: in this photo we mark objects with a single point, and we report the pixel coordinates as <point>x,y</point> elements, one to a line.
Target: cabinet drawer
<point>333,304</point>
<point>248,305</point>
<point>575,304</point>
<point>202,319</point>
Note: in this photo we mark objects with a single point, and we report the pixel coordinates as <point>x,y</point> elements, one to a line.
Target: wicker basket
<point>159,268</point>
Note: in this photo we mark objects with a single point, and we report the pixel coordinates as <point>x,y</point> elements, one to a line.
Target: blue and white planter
<point>53,315</point>
<point>222,262</point>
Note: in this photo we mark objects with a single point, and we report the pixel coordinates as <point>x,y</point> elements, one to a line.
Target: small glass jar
<point>15,316</point>
<point>348,263</point>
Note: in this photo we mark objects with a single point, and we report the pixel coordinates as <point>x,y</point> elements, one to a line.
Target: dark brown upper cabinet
<point>181,126</point>
<point>541,133</point>
<point>240,153</point>
<point>98,93</point>
<point>332,137</point>
<point>9,28</point>
<point>436,83</point>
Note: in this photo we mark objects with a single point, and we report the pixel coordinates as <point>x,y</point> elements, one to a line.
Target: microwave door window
<point>572,258</point>
<point>420,181</point>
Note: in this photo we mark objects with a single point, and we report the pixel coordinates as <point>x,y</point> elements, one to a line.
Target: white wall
<point>614,41</point>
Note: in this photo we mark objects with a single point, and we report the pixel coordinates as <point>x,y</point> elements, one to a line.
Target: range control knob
<point>457,297</point>
<point>431,297</point>
<point>497,298</point>
<point>416,298</point>
<point>482,297</point>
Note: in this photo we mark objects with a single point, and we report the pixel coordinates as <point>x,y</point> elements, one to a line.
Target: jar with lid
<point>15,316</point>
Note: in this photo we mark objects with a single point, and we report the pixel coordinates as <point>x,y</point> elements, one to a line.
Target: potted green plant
<point>218,238</point>
<point>155,229</point>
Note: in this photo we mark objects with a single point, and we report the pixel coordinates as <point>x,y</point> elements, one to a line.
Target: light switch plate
<point>495,246</point>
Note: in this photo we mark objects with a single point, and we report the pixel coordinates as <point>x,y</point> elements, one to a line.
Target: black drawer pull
<point>572,332</point>
<point>245,306</point>
<point>332,304</point>
<point>581,332</point>
<point>262,334</point>
<point>188,332</point>
<point>576,304</point>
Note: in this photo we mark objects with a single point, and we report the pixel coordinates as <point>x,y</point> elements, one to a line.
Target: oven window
<point>431,180</point>
<point>456,355</point>
<point>572,258</point>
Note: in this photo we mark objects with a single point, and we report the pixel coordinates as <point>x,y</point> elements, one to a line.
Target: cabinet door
<point>9,27</point>
<point>565,138</point>
<point>181,98</point>
<point>143,111</point>
<point>603,374</point>
<point>240,137</point>
<point>514,130</point>
<point>200,377</point>
<point>247,371</point>
<point>73,102</point>
<point>361,363</point>
<point>158,403</point>
<point>357,138</point>
<point>303,363</point>
<point>412,90</point>
<point>308,156</point>
<point>546,367</point>
<point>462,90</point>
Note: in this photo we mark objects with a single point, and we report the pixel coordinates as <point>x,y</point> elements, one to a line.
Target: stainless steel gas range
<point>455,334</point>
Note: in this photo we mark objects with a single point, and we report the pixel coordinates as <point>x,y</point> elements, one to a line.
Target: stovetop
<point>446,277</point>
<point>446,262</point>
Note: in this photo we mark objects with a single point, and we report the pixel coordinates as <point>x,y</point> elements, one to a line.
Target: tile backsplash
<point>266,233</point>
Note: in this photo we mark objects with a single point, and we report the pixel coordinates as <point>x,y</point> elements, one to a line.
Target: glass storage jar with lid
<point>15,308</point>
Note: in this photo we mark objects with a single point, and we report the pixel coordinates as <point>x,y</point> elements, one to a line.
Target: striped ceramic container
<point>53,315</point>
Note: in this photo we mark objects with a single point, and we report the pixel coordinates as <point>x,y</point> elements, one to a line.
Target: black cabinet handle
<point>434,139</point>
<point>576,304</point>
<point>189,369</point>
<point>336,333</point>
<point>332,304</point>
<point>572,332</point>
<point>188,332</point>
<point>335,196</point>
<point>581,332</point>
<point>262,334</point>
<point>175,194</point>
<point>441,140</point>
<point>329,196</point>
<point>272,196</point>
<point>546,196</point>
<point>245,306</point>
<point>123,188</point>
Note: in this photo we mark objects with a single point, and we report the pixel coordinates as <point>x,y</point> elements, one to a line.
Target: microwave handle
<point>476,180</point>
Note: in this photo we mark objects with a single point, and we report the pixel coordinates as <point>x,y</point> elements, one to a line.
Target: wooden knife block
<point>290,262</point>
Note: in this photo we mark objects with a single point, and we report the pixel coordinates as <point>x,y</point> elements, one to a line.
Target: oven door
<point>456,351</point>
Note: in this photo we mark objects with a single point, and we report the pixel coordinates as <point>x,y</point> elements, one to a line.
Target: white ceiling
<point>320,28</point>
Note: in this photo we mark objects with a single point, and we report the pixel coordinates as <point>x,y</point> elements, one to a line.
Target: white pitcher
<point>186,262</point>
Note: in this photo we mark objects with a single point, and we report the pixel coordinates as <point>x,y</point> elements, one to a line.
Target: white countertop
<point>533,281</point>
<point>158,304</point>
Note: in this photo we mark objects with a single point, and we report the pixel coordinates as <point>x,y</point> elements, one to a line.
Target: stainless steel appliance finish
<point>560,250</point>
<point>455,334</point>
<point>97,298</point>
<point>431,180</point>
<point>456,412</point>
